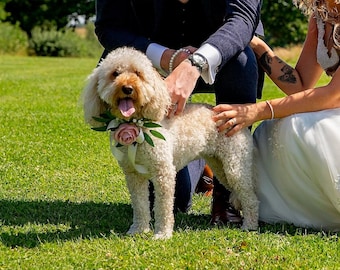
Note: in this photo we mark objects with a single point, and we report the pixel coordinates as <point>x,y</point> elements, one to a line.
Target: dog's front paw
<point>136,229</point>
<point>163,235</point>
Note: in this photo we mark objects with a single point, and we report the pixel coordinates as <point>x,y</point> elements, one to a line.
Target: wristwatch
<point>198,61</point>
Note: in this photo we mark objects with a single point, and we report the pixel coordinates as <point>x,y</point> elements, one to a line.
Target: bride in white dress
<point>297,155</point>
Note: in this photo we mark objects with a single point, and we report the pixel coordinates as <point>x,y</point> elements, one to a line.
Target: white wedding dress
<point>298,170</point>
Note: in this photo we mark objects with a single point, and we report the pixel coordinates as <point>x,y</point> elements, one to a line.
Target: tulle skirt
<point>297,161</point>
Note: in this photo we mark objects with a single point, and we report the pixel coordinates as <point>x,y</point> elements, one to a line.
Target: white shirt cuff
<point>214,59</point>
<point>154,52</point>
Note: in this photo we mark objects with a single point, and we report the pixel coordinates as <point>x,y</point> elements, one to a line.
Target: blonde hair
<point>310,6</point>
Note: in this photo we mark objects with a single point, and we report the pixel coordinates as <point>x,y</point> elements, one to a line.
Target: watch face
<point>200,60</point>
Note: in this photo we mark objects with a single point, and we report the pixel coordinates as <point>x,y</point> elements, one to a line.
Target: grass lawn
<point>64,203</point>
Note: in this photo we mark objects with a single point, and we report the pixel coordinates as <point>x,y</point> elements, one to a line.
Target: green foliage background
<point>284,24</point>
<point>12,38</point>
<point>45,13</point>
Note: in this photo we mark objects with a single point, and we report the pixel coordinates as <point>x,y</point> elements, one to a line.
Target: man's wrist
<point>155,52</point>
<point>176,53</point>
<point>198,61</point>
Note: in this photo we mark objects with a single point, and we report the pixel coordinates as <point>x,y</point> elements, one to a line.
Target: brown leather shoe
<point>206,183</point>
<point>222,212</point>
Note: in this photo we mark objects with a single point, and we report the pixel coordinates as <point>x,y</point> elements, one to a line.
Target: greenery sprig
<point>144,123</point>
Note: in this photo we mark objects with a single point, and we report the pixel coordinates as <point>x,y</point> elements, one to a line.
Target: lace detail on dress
<point>325,60</point>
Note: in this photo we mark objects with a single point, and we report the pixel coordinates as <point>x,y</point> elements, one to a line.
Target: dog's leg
<point>250,209</point>
<point>246,192</point>
<point>139,193</point>
<point>241,182</point>
<point>236,156</point>
<point>164,185</point>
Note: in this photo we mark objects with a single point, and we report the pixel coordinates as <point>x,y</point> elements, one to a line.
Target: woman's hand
<point>230,118</point>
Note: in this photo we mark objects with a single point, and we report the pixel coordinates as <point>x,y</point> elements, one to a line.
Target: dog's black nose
<point>127,90</point>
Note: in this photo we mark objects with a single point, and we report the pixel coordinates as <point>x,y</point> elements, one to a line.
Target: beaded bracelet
<point>172,59</point>
<point>271,109</point>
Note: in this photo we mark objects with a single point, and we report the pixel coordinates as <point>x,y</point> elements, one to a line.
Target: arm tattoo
<point>265,60</point>
<point>288,75</point>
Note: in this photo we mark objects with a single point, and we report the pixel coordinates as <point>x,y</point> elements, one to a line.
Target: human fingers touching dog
<point>181,80</point>
<point>231,118</point>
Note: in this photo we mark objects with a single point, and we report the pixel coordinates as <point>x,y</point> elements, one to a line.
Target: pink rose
<point>126,134</point>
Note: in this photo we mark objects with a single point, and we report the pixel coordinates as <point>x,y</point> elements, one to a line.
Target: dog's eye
<point>115,73</point>
<point>139,74</point>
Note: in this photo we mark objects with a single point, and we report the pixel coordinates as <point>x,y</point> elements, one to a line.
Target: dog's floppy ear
<point>92,104</point>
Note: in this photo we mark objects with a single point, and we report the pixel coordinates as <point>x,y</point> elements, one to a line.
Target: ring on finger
<point>233,121</point>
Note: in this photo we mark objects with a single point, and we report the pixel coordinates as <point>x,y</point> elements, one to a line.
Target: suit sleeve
<point>242,19</point>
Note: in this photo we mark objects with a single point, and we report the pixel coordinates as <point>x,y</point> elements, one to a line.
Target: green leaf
<point>157,134</point>
<point>151,125</point>
<point>107,115</point>
<point>104,116</point>
<point>148,139</point>
<point>99,128</point>
<point>99,119</point>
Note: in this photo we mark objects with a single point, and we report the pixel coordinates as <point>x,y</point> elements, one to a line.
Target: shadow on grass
<point>30,223</point>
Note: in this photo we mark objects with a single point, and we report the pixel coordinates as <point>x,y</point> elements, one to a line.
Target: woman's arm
<point>288,79</point>
<point>313,99</point>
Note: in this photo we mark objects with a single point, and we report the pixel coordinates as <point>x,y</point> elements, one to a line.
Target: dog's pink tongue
<point>126,107</point>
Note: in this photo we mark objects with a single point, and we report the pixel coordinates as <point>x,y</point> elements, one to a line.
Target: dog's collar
<point>140,126</point>
<point>112,123</point>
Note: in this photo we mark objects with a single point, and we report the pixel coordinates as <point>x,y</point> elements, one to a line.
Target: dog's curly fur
<point>128,74</point>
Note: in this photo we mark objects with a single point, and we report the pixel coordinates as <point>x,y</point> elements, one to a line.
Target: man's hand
<point>181,82</point>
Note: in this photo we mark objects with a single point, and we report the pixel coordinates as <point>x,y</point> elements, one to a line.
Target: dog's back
<point>194,135</point>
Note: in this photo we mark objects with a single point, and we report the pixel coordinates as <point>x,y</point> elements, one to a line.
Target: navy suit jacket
<point>133,22</point>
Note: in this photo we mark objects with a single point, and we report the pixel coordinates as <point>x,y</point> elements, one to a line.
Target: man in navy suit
<point>199,46</point>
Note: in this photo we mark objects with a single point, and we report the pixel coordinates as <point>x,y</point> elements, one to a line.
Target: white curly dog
<point>127,96</point>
